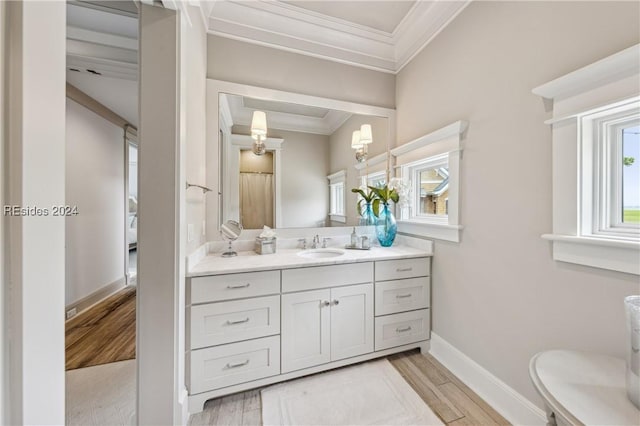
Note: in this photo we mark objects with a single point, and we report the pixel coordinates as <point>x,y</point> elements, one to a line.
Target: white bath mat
<point>102,395</point>
<point>373,393</point>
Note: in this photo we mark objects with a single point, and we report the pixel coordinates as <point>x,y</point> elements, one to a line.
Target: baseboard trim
<point>514,407</point>
<point>95,297</point>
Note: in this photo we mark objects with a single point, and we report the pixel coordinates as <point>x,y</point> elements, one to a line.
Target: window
<point>610,188</point>
<point>428,168</point>
<point>376,180</point>
<point>337,196</point>
<point>595,170</point>
<point>429,194</point>
<point>630,184</point>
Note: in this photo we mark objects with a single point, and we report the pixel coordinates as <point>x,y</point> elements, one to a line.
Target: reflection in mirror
<point>305,177</point>
<point>434,191</point>
<point>230,231</point>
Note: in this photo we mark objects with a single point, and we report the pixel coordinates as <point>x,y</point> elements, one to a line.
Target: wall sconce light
<point>359,141</point>
<point>259,132</point>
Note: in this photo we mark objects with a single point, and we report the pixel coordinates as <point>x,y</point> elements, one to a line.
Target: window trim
<point>337,179</point>
<point>600,86</point>
<point>446,141</point>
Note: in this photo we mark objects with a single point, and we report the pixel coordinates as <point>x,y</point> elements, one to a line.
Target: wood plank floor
<point>444,393</point>
<point>103,333</point>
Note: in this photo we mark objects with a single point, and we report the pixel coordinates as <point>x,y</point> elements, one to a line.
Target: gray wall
<point>343,157</point>
<point>245,63</point>
<point>498,296</point>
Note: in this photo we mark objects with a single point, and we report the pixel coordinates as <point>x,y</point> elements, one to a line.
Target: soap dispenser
<point>354,238</point>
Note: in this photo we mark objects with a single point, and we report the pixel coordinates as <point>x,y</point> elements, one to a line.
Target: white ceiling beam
<point>81,34</point>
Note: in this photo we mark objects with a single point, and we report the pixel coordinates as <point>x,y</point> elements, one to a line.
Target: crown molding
<point>421,25</point>
<point>291,28</point>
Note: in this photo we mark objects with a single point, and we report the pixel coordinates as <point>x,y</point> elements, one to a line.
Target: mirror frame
<point>213,207</point>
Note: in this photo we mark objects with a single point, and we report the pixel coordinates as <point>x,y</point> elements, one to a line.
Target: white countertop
<point>249,261</point>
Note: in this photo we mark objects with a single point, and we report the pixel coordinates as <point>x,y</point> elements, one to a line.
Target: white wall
<point>343,157</point>
<point>195,73</point>
<point>4,279</point>
<point>193,64</point>
<point>36,143</point>
<point>240,62</point>
<point>498,296</point>
<point>95,242</point>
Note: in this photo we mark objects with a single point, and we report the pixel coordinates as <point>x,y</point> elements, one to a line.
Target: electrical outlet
<point>71,313</point>
<point>190,232</point>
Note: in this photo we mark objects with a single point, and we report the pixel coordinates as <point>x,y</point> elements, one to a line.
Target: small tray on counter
<point>350,247</point>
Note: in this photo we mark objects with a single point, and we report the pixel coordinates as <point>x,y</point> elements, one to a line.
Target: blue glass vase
<point>367,218</point>
<point>386,227</point>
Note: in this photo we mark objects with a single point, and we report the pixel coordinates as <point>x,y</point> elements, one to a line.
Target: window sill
<point>600,253</point>
<point>438,231</point>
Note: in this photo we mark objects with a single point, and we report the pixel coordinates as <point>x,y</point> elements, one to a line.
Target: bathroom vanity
<point>256,320</point>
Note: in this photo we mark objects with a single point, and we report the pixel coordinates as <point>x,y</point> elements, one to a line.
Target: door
<point>305,329</point>
<point>351,321</point>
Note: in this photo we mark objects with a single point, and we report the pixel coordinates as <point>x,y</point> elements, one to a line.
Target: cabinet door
<point>305,329</point>
<point>351,321</point>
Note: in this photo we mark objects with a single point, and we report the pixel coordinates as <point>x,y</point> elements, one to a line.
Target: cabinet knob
<point>326,303</point>
<point>336,302</point>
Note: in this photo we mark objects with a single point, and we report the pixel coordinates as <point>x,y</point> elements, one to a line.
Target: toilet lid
<point>584,388</point>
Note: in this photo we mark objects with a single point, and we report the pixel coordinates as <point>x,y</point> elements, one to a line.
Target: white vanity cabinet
<point>233,329</point>
<point>319,326</point>
<point>402,302</point>
<point>251,329</point>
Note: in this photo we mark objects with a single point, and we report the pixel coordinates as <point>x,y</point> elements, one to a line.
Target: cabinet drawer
<point>401,329</point>
<point>222,366</point>
<point>234,286</point>
<point>326,276</point>
<point>226,322</point>
<point>393,297</point>
<point>403,268</point>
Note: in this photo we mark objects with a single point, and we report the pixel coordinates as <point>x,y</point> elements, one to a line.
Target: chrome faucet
<point>316,241</point>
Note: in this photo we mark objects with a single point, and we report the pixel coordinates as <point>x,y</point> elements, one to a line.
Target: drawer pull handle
<point>403,296</point>
<point>238,321</point>
<point>231,287</point>
<point>403,329</point>
<point>404,269</point>
<point>237,364</point>
<point>336,302</point>
<point>326,303</point>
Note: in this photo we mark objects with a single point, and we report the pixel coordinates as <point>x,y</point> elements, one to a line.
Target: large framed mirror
<point>295,164</point>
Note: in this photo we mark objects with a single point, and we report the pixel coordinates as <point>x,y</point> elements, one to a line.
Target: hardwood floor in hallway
<point>104,333</point>
<point>452,401</point>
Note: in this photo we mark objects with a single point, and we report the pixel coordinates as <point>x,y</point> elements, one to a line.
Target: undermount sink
<point>321,253</point>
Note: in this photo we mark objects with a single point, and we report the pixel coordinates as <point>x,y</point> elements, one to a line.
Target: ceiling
<point>102,53</point>
<point>282,115</point>
<point>378,35</point>
<point>102,38</point>
<point>378,15</point>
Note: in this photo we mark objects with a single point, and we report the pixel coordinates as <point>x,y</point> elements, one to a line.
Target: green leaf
<point>394,196</point>
<point>375,206</point>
